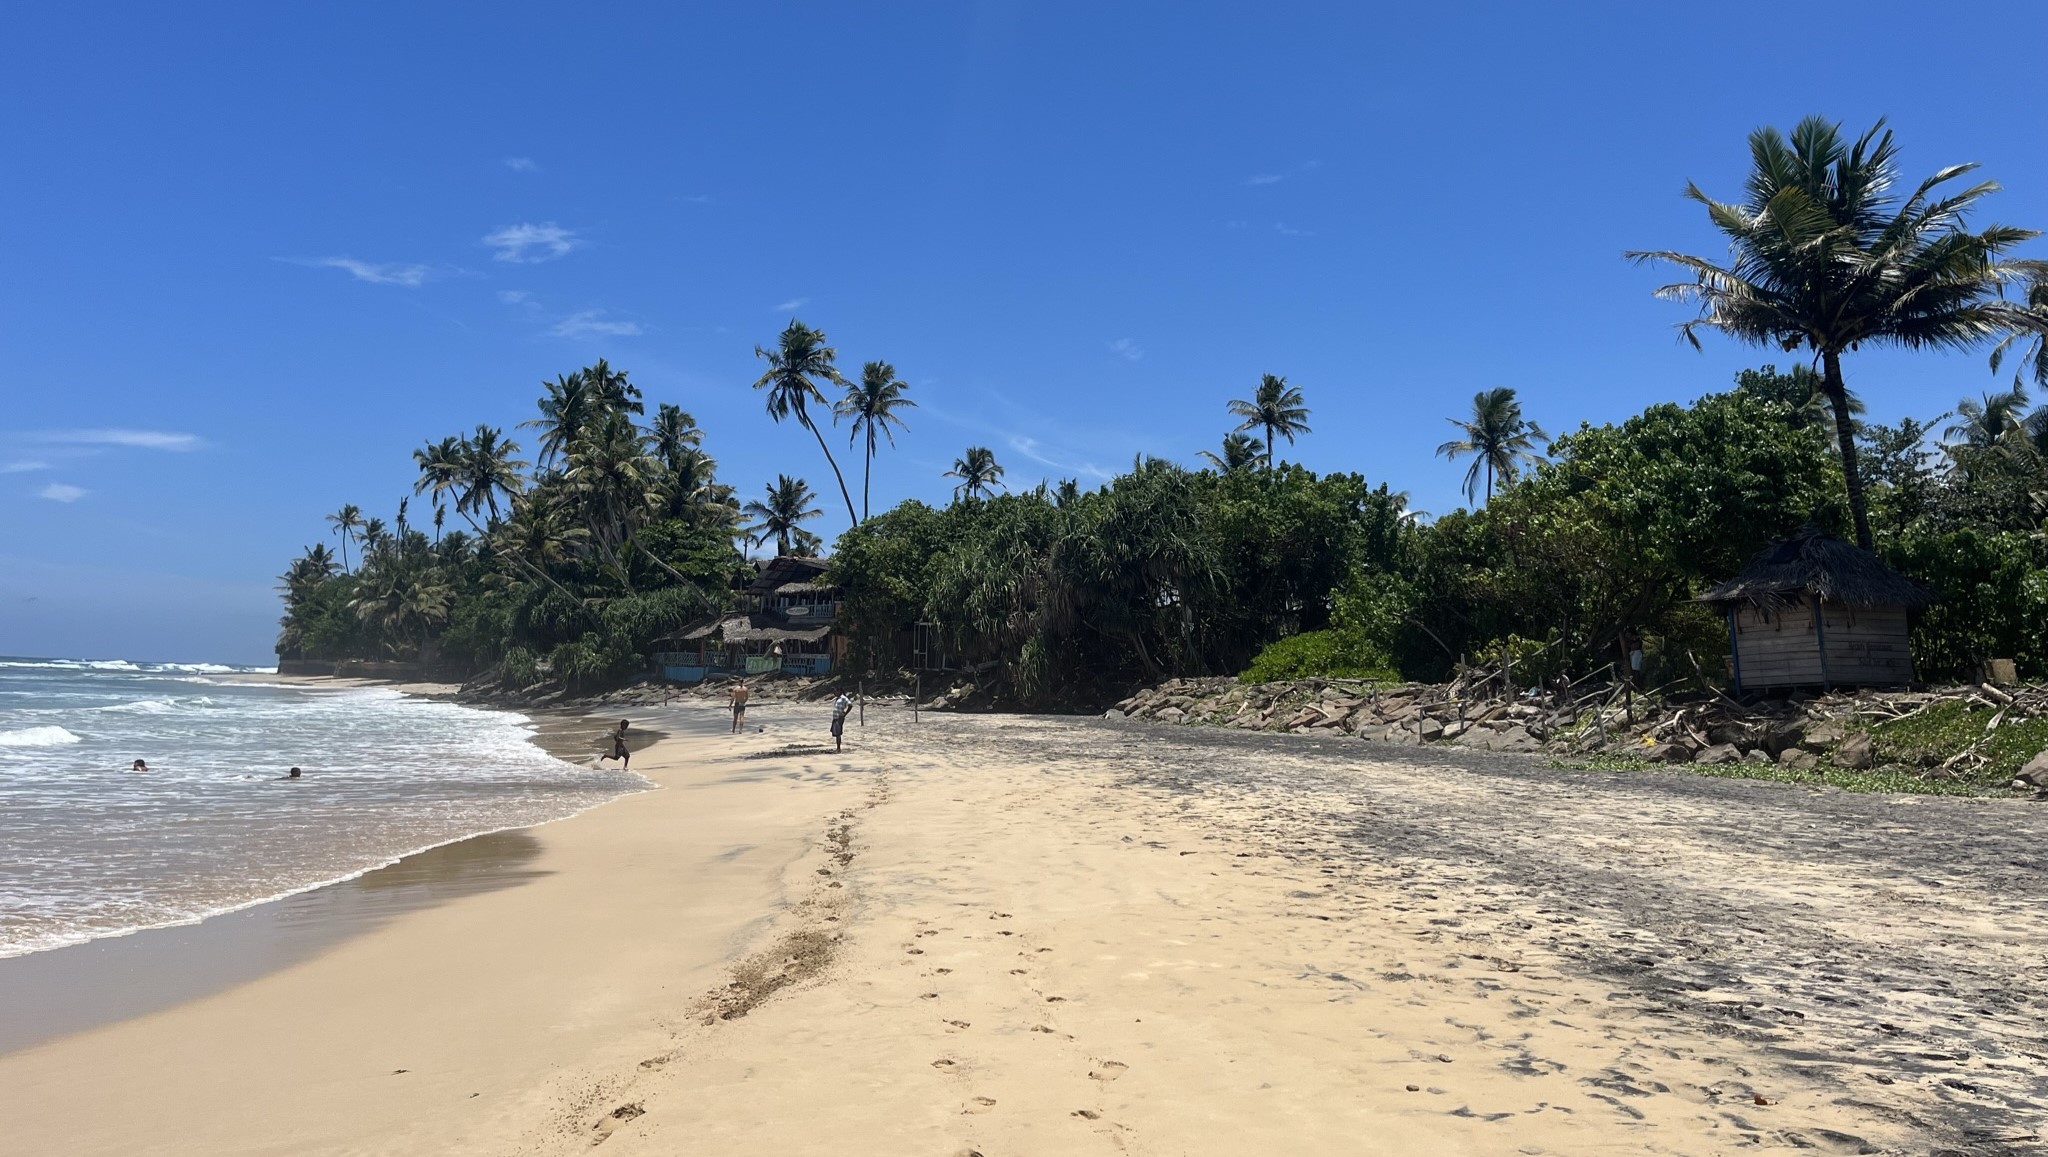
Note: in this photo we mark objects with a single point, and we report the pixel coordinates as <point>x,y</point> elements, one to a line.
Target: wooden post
<point>860,696</point>
<point>1734,649</point>
<point>1820,636</point>
<point>916,693</point>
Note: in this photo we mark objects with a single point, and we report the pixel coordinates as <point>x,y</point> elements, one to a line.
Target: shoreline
<point>48,993</point>
<point>492,989</point>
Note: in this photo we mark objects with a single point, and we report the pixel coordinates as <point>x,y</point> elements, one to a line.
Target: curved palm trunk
<point>805,418</point>
<point>1845,441</point>
<point>1269,447</point>
<point>867,477</point>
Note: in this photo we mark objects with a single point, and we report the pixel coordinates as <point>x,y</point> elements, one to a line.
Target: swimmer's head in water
<point>294,774</point>
<point>139,766</point>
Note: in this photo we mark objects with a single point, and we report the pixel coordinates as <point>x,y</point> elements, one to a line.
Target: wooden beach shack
<point>1814,611</point>
<point>785,621</point>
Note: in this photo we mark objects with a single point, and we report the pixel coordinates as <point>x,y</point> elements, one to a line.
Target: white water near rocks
<point>89,848</point>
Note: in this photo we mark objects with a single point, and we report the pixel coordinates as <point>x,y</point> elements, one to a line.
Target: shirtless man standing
<point>739,705</point>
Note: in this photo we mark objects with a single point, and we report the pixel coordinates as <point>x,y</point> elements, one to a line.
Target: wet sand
<point>1008,935</point>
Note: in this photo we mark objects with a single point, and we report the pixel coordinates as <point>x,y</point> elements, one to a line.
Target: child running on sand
<point>739,706</point>
<point>619,751</point>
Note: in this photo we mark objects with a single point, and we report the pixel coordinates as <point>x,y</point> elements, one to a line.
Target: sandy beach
<point>1026,935</point>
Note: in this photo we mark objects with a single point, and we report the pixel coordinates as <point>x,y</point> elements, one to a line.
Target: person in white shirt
<point>840,707</point>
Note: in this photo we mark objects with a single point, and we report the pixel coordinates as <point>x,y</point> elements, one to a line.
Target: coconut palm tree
<point>1998,421</point>
<point>674,431</point>
<point>346,522</point>
<point>977,471</point>
<point>1278,408</point>
<point>1824,257</point>
<point>488,470</point>
<point>610,390</point>
<point>617,485</point>
<point>799,361</point>
<point>440,466</point>
<point>787,505</point>
<point>565,409</point>
<point>440,516</point>
<point>1499,437</point>
<point>1240,451</point>
<point>872,403</point>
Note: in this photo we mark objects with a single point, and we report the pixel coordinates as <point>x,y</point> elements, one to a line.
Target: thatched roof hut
<point>1812,610</point>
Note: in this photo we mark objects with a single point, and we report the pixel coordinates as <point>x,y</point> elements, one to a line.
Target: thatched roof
<point>1811,561</point>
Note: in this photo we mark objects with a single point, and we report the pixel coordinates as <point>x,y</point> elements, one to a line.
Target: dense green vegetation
<point>1576,547</point>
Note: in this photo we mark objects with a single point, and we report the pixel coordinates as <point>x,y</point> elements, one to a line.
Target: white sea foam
<point>93,849</point>
<point>146,706</point>
<point>37,737</point>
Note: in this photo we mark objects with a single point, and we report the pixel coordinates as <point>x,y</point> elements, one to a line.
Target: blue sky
<point>257,253</point>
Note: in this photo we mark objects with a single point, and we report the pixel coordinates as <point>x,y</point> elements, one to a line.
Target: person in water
<point>139,765</point>
<point>840,708</point>
<point>619,746</point>
<point>739,706</point>
<point>292,774</point>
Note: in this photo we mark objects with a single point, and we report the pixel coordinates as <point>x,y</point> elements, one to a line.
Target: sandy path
<point>1014,935</point>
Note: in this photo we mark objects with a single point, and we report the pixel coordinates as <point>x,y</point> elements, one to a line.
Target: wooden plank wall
<point>1864,647</point>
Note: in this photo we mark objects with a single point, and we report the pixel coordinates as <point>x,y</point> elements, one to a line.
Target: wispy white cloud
<point>1036,451</point>
<point>146,439</point>
<point>379,272</point>
<point>1301,170</point>
<point>520,164</point>
<point>793,303</point>
<point>1286,230</point>
<point>1127,349</point>
<point>515,296</point>
<point>592,323</point>
<point>61,492</point>
<point>23,466</point>
<point>526,243</point>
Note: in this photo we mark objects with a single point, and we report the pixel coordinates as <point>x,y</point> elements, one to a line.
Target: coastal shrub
<point>1329,654</point>
<point>519,668</point>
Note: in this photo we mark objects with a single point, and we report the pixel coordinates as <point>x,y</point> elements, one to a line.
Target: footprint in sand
<point>1087,1114</point>
<point>944,1063</point>
<point>612,1120</point>
<point>942,971</point>
<point>959,1024</point>
<point>980,1105</point>
<point>1042,1028</point>
<point>1016,972</point>
<point>1109,1070</point>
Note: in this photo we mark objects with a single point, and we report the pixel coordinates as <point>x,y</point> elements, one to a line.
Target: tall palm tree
<point>1276,406</point>
<point>1499,437</point>
<point>610,390</point>
<point>565,409</point>
<point>798,362</point>
<point>1999,421</point>
<point>977,471</point>
<point>617,485</point>
<point>674,431</point>
<point>1240,450</point>
<point>440,466</point>
<point>872,403</point>
<point>346,522</point>
<point>1822,256</point>
<point>788,505</point>
<point>488,470</point>
<point>440,516</point>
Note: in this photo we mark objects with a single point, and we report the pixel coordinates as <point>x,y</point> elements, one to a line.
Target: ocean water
<point>89,848</point>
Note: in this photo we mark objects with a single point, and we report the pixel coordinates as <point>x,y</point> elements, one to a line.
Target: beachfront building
<point>1814,611</point>
<point>784,621</point>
